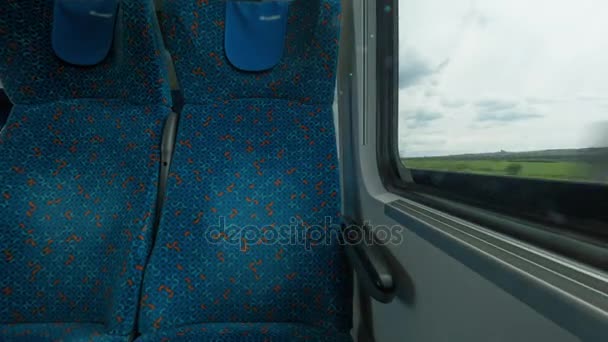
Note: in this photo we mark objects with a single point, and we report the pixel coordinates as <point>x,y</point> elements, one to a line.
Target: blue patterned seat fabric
<point>36,332</point>
<point>255,152</point>
<point>78,172</point>
<point>245,332</point>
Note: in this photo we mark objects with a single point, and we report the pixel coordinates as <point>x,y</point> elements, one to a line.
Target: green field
<point>563,170</point>
<point>585,164</point>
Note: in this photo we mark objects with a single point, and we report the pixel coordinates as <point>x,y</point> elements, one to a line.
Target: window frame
<point>579,228</point>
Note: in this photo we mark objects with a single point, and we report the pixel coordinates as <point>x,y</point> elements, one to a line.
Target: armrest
<point>369,262</point>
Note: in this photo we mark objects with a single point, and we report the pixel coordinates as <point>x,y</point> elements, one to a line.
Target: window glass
<point>505,87</point>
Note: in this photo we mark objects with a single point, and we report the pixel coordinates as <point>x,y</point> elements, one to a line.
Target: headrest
<point>255,33</point>
<point>31,71</point>
<point>218,49</point>
<point>83,30</point>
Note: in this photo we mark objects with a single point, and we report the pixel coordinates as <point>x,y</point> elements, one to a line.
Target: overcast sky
<point>491,75</point>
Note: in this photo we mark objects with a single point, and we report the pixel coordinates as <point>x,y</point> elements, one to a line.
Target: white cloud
<point>421,118</point>
<point>501,74</point>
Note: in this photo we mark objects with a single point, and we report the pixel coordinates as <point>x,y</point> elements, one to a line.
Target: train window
<point>504,87</point>
<point>497,111</point>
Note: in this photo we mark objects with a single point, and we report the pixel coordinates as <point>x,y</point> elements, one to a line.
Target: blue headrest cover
<point>255,33</point>
<point>83,30</point>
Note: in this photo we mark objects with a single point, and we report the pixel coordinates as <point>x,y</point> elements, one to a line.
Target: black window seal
<point>576,230</point>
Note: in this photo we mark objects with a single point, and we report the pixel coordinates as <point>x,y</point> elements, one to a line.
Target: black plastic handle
<point>369,262</point>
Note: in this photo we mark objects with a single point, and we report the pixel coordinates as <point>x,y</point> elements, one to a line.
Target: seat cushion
<point>77,202</point>
<point>57,332</point>
<point>246,332</point>
<point>243,173</point>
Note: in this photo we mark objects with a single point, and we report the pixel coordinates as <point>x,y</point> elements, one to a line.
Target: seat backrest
<point>32,74</point>
<point>255,153</point>
<point>78,169</point>
<point>194,34</point>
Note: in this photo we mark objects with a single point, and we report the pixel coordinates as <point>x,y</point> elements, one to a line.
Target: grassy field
<point>546,169</point>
